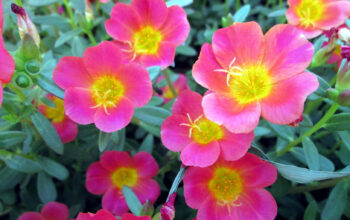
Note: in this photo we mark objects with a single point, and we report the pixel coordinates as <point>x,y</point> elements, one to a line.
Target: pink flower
<point>312,17</point>
<point>232,190</point>
<point>129,216</point>
<point>50,211</point>
<point>250,75</point>
<point>200,140</point>
<point>7,64</point>
<point>180,85</point>
<point>167,210</point>
<point>100,215</point>
<point>336,57</point>
<point>66,128</point>
<point>116,169</point>
<point>148,31</point>
<point>101,89</point>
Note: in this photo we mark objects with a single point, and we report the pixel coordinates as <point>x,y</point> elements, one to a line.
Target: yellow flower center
<point>226,186</point>
<point>106,92</point>
<point>124,177</point>
<point>168,94</point>
<point>55,114</point>
<point>310,11</point>
<point>146,40</point>
<point>203,131</point>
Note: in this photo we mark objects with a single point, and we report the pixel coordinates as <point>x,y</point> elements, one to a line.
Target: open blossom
<point>250,75</point>
<point>314,16</point>
<point>200,140</point>
<point>117,169</point>
<point>148,31</point>
<point>101,89</point>
<point>50,211</point>
<point>180,85</point>
<point>66,128</point>
<point>7,64</point>
<point>232,190</point>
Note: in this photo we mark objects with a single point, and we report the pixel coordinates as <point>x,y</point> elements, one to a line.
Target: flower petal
<point>210,210</point>
<point>176,27</point>
<point>124,22</point>
<point>111,160</point>
<point>205,71</point>
<point>163,58</point>
<point>67,130</point>
<point>234,146</point>
<point>335,16</point>
<point>7,64</point>
<point>137,83</point>
<point>116,118</point>
<point>147,189</point>
<point>103,59</point>
<point>146,166</point>
<point>243,41</point>
<point>113,200</point>
<point>30,216</point>
<point>78,105</point>
<point>152,12</point>
<point>174,135</point>
<point>55,211</point>
<point>100,215</point>
<point>284,44</point>
<point>286,102</point>
<point>71,72</point>
<point>188,102</point>
<point>1,93</point>
<point>199,155</point>
<point>98,179</point>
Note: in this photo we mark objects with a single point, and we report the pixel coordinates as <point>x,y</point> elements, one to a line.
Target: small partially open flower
<point>180,85</point>
<point>52,211</point>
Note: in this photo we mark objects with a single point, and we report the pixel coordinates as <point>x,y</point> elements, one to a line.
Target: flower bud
<point>89,12</point>
<point>343,78</point>
<point>32,67</point>
<point>23,81</point>
<point>25,25</point>
<point>344,98</point>
<point>332,93</point>
<point>168,210</point>
<point>344,35</point>
<point>227,20</point>
<point>147,209</point>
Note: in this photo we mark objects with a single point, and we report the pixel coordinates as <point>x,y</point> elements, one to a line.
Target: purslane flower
<point>200,140</point>
<point>312,17</point>
<point>232,190</point>
<point>100,88</point>
<point>180,85</point>
<point>147,31</point>
<point>50,211</point>
<point>252,75</point>
<point>66,128</point>
<point>117,169</point>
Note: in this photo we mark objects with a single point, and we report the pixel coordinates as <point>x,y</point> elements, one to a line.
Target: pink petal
<point>199,155</point>
<point>286,101</point>
<point>129,216</point>
<point>205,71</point>
<point>188,102</point>
<point>152,12</point>
<point>227,112</point>
<point>310,32</point>
<point>210,210</point>
<point>243,41</point>
<point>163,58</point>
<point>55,211</point>
<point>7,64</point>
<point>146,166</point>
<point>147,189</point>
<point>1,17</point>
<point>112,160</point>
<point>113,200</point>
<point>1,93</point>
<point>284,44</point>
<point>234,146</point>
<point>67,130</point>
<point>181,83</point>
<point>174,135</point>
<point>78,105</point>
<point>137,83</point>
<point>30,215</point>
<point>292,17</point>
<point>335,16</point>
<point>71,72</point>
<point>100,215</point>
<point>103,59</point>
<point>196,186</point>
<point>98,179</point>
<point>176,27</point>
<point>124,22</point>
<point>116,118</point>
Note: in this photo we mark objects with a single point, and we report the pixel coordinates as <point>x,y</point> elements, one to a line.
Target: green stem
<point>170,84</point>
<point>238,4</point>
<point>91,37</point>
<point>321,185</point>
<point>333,81</point>
<point>312,130</point>
<point>16,90</point>
<point>70,14</point>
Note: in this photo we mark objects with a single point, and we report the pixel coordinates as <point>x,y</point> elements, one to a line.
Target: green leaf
<point>47,132</point>
<point>283,131</point>
<point>38,3</point>
<point>133,202</point>
<point>154,71</point>
<point>311,154</point>
<point>336,202</point>
<point>325,163</point>
<point>152,115</point>
<point>67,37</point>
<point>11,138</point>
<point>23,164</point>
<point>186,50</point>
<point>181,3</point>
<point>155,130</point>
<point>339,122</point>
<point>147,144</point>
<point>52,19</point>
<point>46,188</point>
<point>78,47</point>
<point>53,168</point>
<point>242,14</point>
<point>178,179</point>
<point>311,211</point>
<point>345,136</point>
<point>9,178</point>
<point>103,140</point>
<point>278,13</point>
<point>49,86</point>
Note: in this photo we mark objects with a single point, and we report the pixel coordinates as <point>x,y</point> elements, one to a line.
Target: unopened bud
<point>322,55</point>
<point>344,35</point>
<point>168,209</point>
<point>343,77</point>
<point>345,52</point>
<point>344,98</point>
<point>23,81</point>
<point>32,67</point>
<point>25,25</point>
<point>89,12</point>
<point>227,20</point>
<point>147,209</point>
<point>332,93</point>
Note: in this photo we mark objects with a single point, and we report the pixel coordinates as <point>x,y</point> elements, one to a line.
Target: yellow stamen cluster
<point>55,114</point>
<point>124,176</point>
<point>310,11</point>
<point>146,40</point>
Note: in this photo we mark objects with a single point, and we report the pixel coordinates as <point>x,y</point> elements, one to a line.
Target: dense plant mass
<point>174,109</point>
